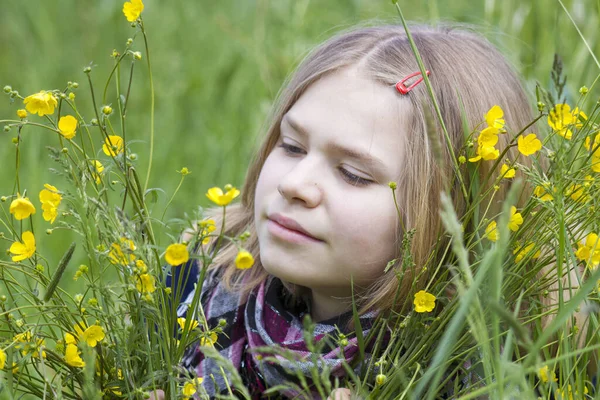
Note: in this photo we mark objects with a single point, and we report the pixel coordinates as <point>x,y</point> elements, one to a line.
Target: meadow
<point>199,79</point>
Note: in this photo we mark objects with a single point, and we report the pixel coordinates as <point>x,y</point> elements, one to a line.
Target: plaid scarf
<point>265,318</point>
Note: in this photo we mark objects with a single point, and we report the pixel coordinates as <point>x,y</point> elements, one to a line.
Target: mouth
<point>289,230</point>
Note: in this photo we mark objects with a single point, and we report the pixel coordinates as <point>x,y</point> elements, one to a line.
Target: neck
<point>325,306</point>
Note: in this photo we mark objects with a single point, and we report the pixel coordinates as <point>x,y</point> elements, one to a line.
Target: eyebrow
<point>366,158</point>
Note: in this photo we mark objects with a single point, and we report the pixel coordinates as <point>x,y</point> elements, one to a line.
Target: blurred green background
<point>218,66</point>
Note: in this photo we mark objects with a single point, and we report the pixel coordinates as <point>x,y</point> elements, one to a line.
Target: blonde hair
<point>468,76</point>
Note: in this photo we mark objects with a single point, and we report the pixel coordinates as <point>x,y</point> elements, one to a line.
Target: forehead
<point>349,109</point>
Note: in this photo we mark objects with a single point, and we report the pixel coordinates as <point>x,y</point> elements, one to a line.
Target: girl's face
<point>323,209</point>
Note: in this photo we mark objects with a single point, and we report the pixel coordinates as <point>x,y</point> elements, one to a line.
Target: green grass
<point>218,66</point>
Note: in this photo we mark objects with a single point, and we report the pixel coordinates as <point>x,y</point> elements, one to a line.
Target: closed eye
<point>354,179</point>
<point>348,176</point>
<point>291,149</point>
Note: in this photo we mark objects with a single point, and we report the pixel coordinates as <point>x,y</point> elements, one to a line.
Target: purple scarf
<point>265,319</point>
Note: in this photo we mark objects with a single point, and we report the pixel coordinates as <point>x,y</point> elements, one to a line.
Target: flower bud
<point>393,185</point>
<point>2,299</point>
<point>7,89</point>
<point>19,322</point>
<point>107,110</point>
<point>462,159</point>
<point>39,268</point>
<point>63,96</point>
<point>228,187</point>
<point>7,128</point>
<point>94,122</point>
<point>129,41</point>
<point>75,85</point>
<point>583,90</point>
<point>71,96</point>
<point>541,106</point>
<point>115,54</point>
<point>13,94</point>
<point>22,113</point>
<point>3,199</point>
<point>168,291</point>
<point>344,342</point>
<point>184,171</point>
<point>15,140</point>
<point>137,55</point>
<point>64,150</point>
<point>133,156</point>
<point>87,70</point>
<point>222,322</point>
<point>380,379</point>
<point>48,231</point>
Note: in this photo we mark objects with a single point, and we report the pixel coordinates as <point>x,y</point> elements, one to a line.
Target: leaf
<point>389,265</point>
<point>151,195</point>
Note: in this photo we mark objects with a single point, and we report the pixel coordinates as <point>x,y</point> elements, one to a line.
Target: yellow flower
<point>21,207</point>
<point>67,126</point>
<point>209,340</point>
<point>25,249</point>
<point>182,321</point>
<point>516,219</point>
<point>588,142</point>
<point>206,228</point>
<point>50,199</point>
<point>589,250</point>
<point>244,260</point>
<point>132,9</point>
<point>522,252</point>
<point>92,335</point>
<point>507,172</point>
<point>494,117</point>
<point>50,195</point>
<point>21,113</point>
<point>544,374</point>
<point>113,145</point>
<point>577,191</point>
<point>596,161</point>
<point>561,117</point>
<point>424,302</point>
<point>2,359</point>
<point>141,266</point>
<point>491,232</point>
<point>98,171</point>
<point>529,144</point>
<point>189,389</point>
<point>561,394</point>
<point>542,193</point>
<point>217,196</point>
<point>485,145</point>
<point>145,283</point>
<point>177,254</point>
<point>72,357</point>
<point>116,255</point>
<point>50,212</point>
<point>41,103</point>
<point>70,339</point>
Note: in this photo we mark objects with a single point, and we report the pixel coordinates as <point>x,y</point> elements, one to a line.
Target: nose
<point>301,184</point>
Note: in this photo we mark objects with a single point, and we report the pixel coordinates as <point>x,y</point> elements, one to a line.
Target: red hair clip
<point>403,89</point>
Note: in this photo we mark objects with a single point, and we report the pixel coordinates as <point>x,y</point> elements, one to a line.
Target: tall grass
<point>513,313</point>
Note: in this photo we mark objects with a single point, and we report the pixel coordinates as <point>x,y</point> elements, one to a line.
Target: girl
<point>317,201</point>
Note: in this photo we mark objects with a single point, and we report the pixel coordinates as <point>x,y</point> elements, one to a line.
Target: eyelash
<point>348,176</point>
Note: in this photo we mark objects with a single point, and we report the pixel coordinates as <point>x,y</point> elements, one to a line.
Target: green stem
<point>151,106</point>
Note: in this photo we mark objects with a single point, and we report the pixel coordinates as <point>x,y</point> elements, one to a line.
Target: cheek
<point>369,232</point>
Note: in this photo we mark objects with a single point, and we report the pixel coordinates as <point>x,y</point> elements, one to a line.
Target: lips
<point>291,225</point>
